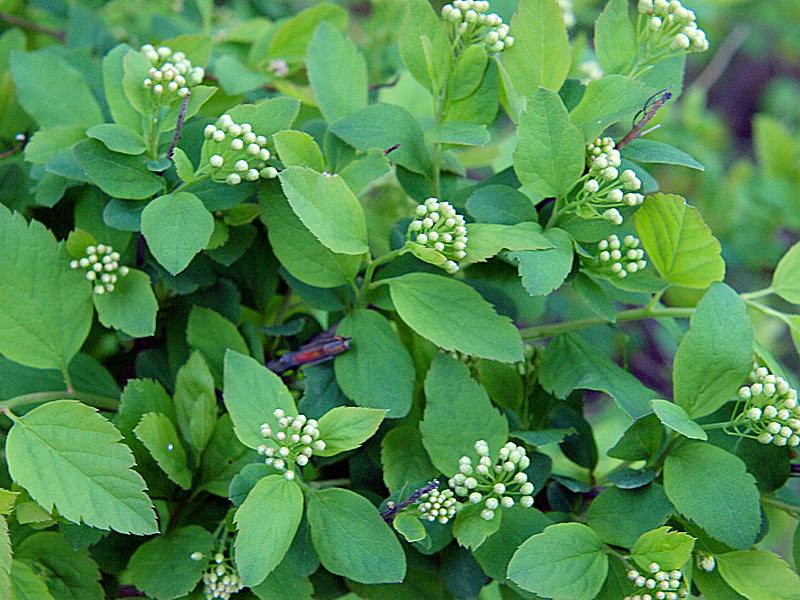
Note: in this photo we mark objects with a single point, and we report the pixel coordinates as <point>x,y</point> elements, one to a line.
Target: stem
<point>370,273</point>
<point>724,425</point>
<point>326,483</point>
<point>152,138</point>
<point>96,400</point>
<point>28,25</point>
<point>635,314</point>
<point>768,311</point>
<point>784,506</point>
<point>757,294</point>
<point>199,176</point>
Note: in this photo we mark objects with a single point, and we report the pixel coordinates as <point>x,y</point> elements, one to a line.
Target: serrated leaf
<point>409,526</point>
<point>297,148</point>
<point>195,402</point>
<point>271,511</point>
<point>420,20</point>
<point>471,529</point>
<point>27,584</point>
<point>119,175</point>
<point>158,435</point>
<point>404,459</point>
<point>81,470</point>
<point>345,428</point>
<point>489,239</point>
<point>759,574</point>
<point>606,101</point>
<point>183,165</point>
<point>45,307</point>
<point>213,335</point>
<point>678,243</point>
<point>674,417</point>
<point>418,298</point>
<point>619,517</point>
<point>543,271</point>
<point>131,307</point>
<point>450,390</point>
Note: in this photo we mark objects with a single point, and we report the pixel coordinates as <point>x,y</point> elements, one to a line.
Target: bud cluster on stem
<point>619,258</point>
<point>294,443</point>
<point>437,226</point>
<point>658,584</point>
<point>102,267</point>
<point>171,75</point>
<point>471,23</point>
<point>767,410</point>
<point>234,152</point>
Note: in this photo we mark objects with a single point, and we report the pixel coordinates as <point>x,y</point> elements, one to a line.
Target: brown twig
<point>28,25</point>
<point>22,139</point>
<point>387,84</point>
<point>176,137</point>
<point>647,114</point>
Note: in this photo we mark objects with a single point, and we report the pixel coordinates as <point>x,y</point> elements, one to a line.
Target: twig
<point>392,508</point>
<point>21,141</point>
<point>28,25</point>
<point>387,84</point>
<point>649,111</point>
<point>722,59</point>
<point>176,137</point>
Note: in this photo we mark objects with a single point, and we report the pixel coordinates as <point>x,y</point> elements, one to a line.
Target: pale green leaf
<point>5,559</point>
<point>758,574</point>
<point>615,38</point>
<point>606,101</point>
<point>131,307</point>
<point>158,435</point>
<point>651,151</point>
<point>267,116</point>
<point>619,517</point>
<point>290,40</point>
<point>298,149</point>
<point>489,239</point>
<point>345,428</point>
<point>420,20</point>
<point>195,402</point>
<point>786,280</point>
<point>670,549</point>
<point>471,530</point>
<point>674,417</point>
<point>118,138</point>
<point>119,175</point>
<point>213,335</point>
<point>113,71</point>
<point>27,584</point>
<point>543,271</point>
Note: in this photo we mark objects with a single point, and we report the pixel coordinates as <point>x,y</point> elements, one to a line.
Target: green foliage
<point>669,549</point>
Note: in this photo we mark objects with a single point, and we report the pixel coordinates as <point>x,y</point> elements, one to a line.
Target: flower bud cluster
<point>438,226</point>
<point>235,153</point>
<point>668,27</point>
<point>707,562</point>
<point>620,258</point>
<point>472,25</point>
<point>567,10</point>
<point>171,75</point>
<point>102,267</point>
<point>665,585</point>
<point>220,579</point>
<point>606,188</point>
<point>293,444</point>
<point>770,411</point>
<point>437,505</point>
<point>494,483</point>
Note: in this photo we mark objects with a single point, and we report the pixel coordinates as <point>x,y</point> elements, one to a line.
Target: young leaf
<point>488,239</point>
<point>291,38</point>
<point>338,91</point>
<point>543,271</point>
<point>615,38</point>
<point>176,227</point>
<point>163,567</point>
<point>606,101</point>
<point>786,280</point>
<point>45,307</point>
<point>252,393</point>
<point>119,175</point>
<point>113,71</point>
<point>699,480</point>
<point>158,435</point>
<point>670,549</point>
<point>429,68</point>
<point>674,417</point>
<point>351,538</point>
<point>267,116</point>
<point>759,574</point>
<point>678,243</point>
<point>131,307</point>
<point>565,562</point>
<point>651,151</point>
<point>472,325</point>
<point>531,62</point>
<point>213,335</point>
<point>550,154</point>
<point>195,402</point>
<point>468,72</point>
<point>471,530</point>
<point>716,354</point>
<point>300,252</point>
<point>297,148</point>
<point>328,208</point>
<point>183,165</point>
<point>5,559</point>
<point>450,390</point>
<point>410,527</point>
<point>118,138</point>
<point>82,470</point>
<point>27,583</point>
<point>271,511</point>
<point>377,371</point>
<point>345,427</point>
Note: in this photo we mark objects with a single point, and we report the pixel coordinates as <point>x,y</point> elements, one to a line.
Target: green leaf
<point>716,355</point>
<point>410,527</point>
<point>135,68</point>
<point>328,208</point>
<point>786,280</point>
<point>27,584</point>
<point>176,227</point>
<point>377,371</point>
<point>543,271</point>
<point>45,307</point>
<point>472,325</point>
<point>619,517</point>
<point>284,583</point>
<point>300,252</point>
<point>471,530</point>
<point>565,562</point>
<point>344,428</point>
<point>163,568</point>
<point>775,146</point>
<point>131,307</point>
<point>450,391</point>
<point>404,459</point>
<point>42,76</point>
<point>351,538</point>
<point>271,511</point>
<point>489,239</point>
<point>71,574</point>
<point>422,27</point>
<point>158,435</point>
<point>297,148</point>
<point>615,38</point>
<point>289,41</point>
<point>670,549</point>
<point>678,243</point>
<point>52,142</point>
<point>517,525</point>
<point>195,402</point>
<point>337,73</point>
<point>119,175</point>
<point>362,172</point>
<point>113,72</point>
<point>81,470</point>
<point>540,55</point>
<point>468,72</point>
<point>252,393</point>
<point>592,370</point>
<point>118,138</point>
<point>550,154</point>
<point>712,488</point>
<point>5,559</point>
<point>223,458</point>
<point>674,417</point>
<point>651,151</point>
<point>458,133</point>
<point>267,116</point>
<point>500,204</point>
<point>543,437</point>
<point>382,126</point>
<point>183,165</point>
<point>606,101</point>
<point>213,335</point>
<point>759,574</point>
